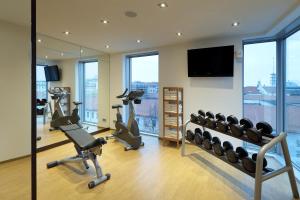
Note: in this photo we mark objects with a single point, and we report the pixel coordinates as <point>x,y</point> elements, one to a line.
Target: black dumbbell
<point>262,129</point>
<point>190,136</point>
<point>201,117</point>
<point>231,119</point>
<point>219,150</point>
<point>198,137</point>
<point>249,164</point>
<point>234,156</point>
<point>210,120</point>
<point>194,118</point>
<point>238,130</point>
<point>207,140</point>
<point>221,124</point>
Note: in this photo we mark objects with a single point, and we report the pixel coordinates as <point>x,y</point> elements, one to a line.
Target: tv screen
<point>211,62</point>
<point>52,73</point>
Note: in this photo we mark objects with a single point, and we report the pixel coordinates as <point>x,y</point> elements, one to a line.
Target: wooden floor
<point>51,137</point>
<point>153,172</point>
<point>15,180</point>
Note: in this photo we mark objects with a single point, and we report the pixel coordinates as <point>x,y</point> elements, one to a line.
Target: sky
<point>91,70</point>
<point>260,61</point>
<point>144,68</point>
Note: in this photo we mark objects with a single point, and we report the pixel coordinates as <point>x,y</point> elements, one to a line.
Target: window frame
<point>81,88</point>
<point>128,80</point>
<point>280,39</point>
<point>44,65</point>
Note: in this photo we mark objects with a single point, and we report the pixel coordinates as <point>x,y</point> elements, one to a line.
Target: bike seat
<point>76,103</point>
<point>116,106</point>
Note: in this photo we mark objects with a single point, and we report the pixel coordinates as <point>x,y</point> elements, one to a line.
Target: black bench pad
<point>81,137</point>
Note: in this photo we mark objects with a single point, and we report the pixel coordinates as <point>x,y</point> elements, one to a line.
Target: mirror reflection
<point>68,90</point>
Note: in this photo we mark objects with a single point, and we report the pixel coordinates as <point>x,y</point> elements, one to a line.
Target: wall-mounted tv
<point>211,62</point>
<point>52,73</point>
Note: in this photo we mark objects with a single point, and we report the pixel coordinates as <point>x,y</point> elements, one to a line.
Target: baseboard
<point>14,159</point>
<point>63,142</point>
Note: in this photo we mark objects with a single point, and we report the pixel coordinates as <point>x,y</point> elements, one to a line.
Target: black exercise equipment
<point>210,120</point>
<point>231,119</point>
<point>207,140</point>
<point>190,136</point>
<point>221,124</point>
<point>234,156</point>
<point>198,137</point>
<point>217,146</point>
<point>249,164</point>
<point>87,148</point>
<point>262,129</point>
<point>238,129</point>
<point>201,117</point>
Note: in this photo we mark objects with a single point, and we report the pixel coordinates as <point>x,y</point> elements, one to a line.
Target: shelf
<point>244,137</point>
<point>171,139</point>
<point>172,126</point>
<point>172,100</point>
<point>235,165</point>
<point>172,113</point>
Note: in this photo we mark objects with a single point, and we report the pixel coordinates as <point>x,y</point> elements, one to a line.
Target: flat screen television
<point>211,62</point>
<point>52,73</point>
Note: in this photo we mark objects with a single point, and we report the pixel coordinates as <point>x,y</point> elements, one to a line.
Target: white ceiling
<point>196,19</point>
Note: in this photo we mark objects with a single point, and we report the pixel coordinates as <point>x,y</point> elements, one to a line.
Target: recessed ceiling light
<point>104,21</point>
<point>62,54</point>
<point>107,46</point>
<point>81,50</point>
<point>39,40</point>
<point>179,34</point>
<point>235,24</point>
<point>66,32</point>
<point>46,57</point>
<point>162,5</point>
<point>138,41</point>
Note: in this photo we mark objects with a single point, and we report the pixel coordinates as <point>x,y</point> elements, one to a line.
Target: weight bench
<point>87,148</point>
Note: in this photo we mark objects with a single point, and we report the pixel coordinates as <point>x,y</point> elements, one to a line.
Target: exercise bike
<point>128,134</point>
<point>58,117</point>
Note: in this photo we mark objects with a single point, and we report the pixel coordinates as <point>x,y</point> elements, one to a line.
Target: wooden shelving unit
<point>173,114</point>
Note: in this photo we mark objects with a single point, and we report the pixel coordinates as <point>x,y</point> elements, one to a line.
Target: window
<point>88,91</point>
<point>41,84</point>
<point>272,87</point>
<point>260,82</point>
<point>292,96</point>
<point>143,74</point>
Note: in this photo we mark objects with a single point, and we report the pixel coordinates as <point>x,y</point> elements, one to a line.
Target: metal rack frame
<point>259,176</point>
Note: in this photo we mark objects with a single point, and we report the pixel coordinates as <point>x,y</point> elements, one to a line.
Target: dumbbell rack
<point>260,176</point>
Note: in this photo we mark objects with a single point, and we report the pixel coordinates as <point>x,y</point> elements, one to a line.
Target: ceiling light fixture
<point>107,46</point>
<point>46,57</point>
<point>104,21</point>
<point>39,40</point>
<point>66,32</point>
<point>62,54</point>
<point>179,34</point>
<point>138,41</point>
<point>235,24</point>
<point>162,5</point>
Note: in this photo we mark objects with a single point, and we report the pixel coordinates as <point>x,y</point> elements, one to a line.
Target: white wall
<point>69,79</point>
<point>215,94</point>
<point>15,84</point>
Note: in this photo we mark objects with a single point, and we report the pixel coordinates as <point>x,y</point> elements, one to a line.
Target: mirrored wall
<point>72,85</point>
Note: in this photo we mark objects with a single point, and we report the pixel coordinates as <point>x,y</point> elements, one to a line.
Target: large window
<point>272,87</point>
<point>88,90</point>
<point>292,95</point>
<point>260,82</point>
<point>41,84</point>
<point>143,74</point>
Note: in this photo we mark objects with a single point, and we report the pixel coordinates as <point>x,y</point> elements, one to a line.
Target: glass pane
<point>91,92</point>
<point>41,84</point>
<point>144,75</point>
<point>260,83</point>
<point>292,95</point>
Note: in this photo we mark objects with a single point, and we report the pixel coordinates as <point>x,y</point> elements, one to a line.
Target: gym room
<point>150,99</point>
